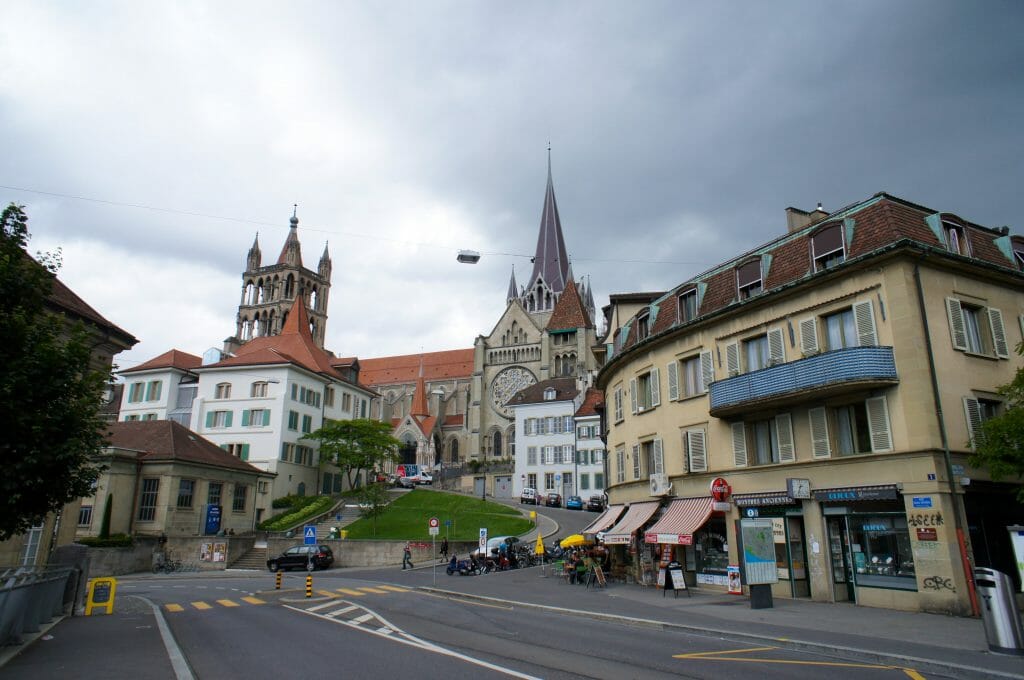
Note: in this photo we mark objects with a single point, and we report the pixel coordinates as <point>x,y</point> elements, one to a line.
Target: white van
<point>528,496</point>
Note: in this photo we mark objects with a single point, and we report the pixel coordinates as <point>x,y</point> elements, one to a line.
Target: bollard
<point>309,586</point>
<point>277,579</point>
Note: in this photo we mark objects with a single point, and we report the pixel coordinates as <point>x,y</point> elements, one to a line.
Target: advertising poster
<point>1017,538</point>
<point>206,552</point>
<point>220,552</point>
<point>735,585</point>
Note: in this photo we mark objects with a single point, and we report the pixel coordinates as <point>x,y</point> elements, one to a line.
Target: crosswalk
<point>336,594</point>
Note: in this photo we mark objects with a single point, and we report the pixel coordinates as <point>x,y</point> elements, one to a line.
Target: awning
<point>606,520</point>
<point>636,516</point>
<point>677,524</point>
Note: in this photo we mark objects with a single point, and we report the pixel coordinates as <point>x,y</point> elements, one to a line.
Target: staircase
<point>255,558</point>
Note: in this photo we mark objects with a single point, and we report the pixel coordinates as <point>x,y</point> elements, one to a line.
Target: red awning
<point>637,515</point>
<point>607,519</point>
<point>681,518</point>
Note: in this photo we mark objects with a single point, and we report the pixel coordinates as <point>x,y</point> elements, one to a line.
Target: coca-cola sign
<point>720,489</point>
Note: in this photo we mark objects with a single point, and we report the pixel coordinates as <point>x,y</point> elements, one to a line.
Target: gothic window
<point>496,450</point>
<point>453,451</point>
<point>289,287</point>
<point>271,326</point>
<point>313,302</point>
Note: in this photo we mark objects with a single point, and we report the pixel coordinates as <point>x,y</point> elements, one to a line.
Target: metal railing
<point>30,596</point>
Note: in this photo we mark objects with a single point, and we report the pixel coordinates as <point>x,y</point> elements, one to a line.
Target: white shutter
<point>673,381</point>
<point>659,458</point>
<point>732,358</point>
<point>636,461</point>
<point>809,336</point>
<point>864,318</point>
<point>776,347</point>
<point>784,438</point>
<point>655,383</point>
<point>697,448</point>
<point>972,409</point>
<point>820,447</point>
<point>995,319</point>
<point>739,444</point>
<point>878,424</point>
<point>707,370</point>
<point>618,404</point>
<point>956,323</point>
<point>632,395</point>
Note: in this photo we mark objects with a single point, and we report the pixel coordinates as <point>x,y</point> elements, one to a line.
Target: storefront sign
<point>673,539</point>
<point>760,499</point>
<point>721,507</point>
<point>856,493</point>
<point>720,489</point>
<point>927,535</point>
<point>922,501</point>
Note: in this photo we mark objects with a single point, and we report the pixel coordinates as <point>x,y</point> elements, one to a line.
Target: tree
<point>355,445</point>
<point>373,500</point>
<point>49,392</point>
<point>999,445</point>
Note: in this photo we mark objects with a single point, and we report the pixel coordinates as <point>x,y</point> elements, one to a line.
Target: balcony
<point>816,377</point>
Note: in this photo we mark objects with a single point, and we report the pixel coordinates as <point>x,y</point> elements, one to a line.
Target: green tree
<point>373,500</point>
<point>49,392</point>
<point>999,445</point>
<point>355,445</point>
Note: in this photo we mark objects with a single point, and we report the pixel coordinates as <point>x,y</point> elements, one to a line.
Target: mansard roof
<point>569,311</point>
<point>162,440</point>
<point>551,261</point>
<point>173,358</point>
<point>445,365</point>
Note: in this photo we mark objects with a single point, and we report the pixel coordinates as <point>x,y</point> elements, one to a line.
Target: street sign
<point>434,531</point>
<point>433,523</point>
<point>483,540</point>
<point>309,531</point>
<point>447,522</point>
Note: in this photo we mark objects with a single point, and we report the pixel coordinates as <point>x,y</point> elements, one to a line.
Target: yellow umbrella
<point>575,541</point>
<point>539,548</point>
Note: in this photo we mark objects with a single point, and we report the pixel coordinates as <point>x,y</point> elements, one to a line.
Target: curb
<point>848,653</point>
<point>8,652</point>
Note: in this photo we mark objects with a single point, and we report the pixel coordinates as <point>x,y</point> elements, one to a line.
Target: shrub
<point>112,541</point>
<point>315,505</point>
<point>292,501</point>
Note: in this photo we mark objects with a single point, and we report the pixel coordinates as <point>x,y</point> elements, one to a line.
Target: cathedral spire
<point>324,269</point>
<point>513,290</point>
<point>291,253</point>
<point>419,398</point>
<point>551,261</point>
<point>255,256</point>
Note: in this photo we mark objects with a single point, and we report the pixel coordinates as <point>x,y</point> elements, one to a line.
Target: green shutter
<point>227,423</point>
<point>209,419</point>
<point>149,391</point>
<point>266,417</point>
<point>245,418</point>
<point>245,452</point>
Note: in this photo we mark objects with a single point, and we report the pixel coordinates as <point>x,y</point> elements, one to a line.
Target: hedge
<point>112,541</point>
<point>317,506</point>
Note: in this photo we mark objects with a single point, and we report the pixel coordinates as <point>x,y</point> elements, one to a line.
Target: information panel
<point>758,551</point>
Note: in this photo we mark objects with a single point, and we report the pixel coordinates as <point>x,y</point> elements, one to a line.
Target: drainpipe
<point>957,506</point>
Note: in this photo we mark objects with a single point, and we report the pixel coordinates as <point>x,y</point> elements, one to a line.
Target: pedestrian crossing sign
<point>310,533</point>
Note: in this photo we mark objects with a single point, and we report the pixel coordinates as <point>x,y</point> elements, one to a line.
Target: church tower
<point>268,292</point>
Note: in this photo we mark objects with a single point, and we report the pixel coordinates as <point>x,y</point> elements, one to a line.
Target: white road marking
<point>178,662</point>
<point>362,619</point>
<point>325,605</point>
<point>343,610</point>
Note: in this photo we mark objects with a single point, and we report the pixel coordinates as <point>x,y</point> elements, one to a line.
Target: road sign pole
<point>433,550</point>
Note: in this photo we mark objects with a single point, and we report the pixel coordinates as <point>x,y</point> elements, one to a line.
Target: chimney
<point>818,214</point>
<point>796,219</point>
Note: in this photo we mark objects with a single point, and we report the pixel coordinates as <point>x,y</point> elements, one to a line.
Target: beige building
<point>826,383</point>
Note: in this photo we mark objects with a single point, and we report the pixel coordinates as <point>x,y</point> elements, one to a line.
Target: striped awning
<point>606,520</point>
<point>681,518</point>
<point>636,516</point>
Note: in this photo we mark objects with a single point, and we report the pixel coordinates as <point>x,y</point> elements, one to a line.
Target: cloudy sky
<point>152,141</point>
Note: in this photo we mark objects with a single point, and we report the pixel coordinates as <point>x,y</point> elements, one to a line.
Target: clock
<point>798,488</point>
<point>506,384</point>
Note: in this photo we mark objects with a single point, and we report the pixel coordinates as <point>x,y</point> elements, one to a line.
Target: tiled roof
<point>158,440</point>
<point>445,365</point>
<point>569,311</point>
<point>565,390</point>
<point>875,223</point>
<point>65,300</point>
<point>455,420</point>
<point>170,359</point>
<point>591,401</point>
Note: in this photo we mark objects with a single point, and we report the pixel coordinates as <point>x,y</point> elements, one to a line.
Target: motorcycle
<point>466,567</point>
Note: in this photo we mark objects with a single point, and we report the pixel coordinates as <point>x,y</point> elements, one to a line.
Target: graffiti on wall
<point>938,583</point>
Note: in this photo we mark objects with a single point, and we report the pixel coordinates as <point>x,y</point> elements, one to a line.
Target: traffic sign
<point>433,522</point>
<point>309,531</point>
<point>434,531</point>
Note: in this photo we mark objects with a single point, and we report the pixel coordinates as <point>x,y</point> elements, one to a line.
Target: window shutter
<point>227,422</point>
<point>820,447</point>
<point>632,395</point>
<point>695,444</point>
<point>149,391</point>
<point>245,452</point>
<point>659,457</point>
<point>956,323</point>
<point>266,417</point>
<point>784,435</point>
<point>707,370</point>
<point>878,424</point>
<point>655,388</point>
<point>673,381</point>
<point>809,336</point>
<point>864,318</point>
<point>209,418</point>
<point>618,404</point>
<point>776,347</point>
<point>245,418</point>
<point>528,426</point>
<point>636,461</point>
<point>972,409</point>
<point>995,319</point>
<point>732,358</point>
<point>739,444</point>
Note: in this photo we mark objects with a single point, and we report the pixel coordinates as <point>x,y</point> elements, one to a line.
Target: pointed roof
<point>513,291</point>
<point>569,311</point>
<point>551,261</point>
<point>173,358</point>
<point>593,400</point>
<point>292,242</point>
<point>326,256</point>
<point>419,397</point>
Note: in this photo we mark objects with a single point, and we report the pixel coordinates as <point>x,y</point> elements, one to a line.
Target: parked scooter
<point>467,567</point>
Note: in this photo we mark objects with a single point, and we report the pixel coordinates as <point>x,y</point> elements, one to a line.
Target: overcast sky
<point>680,132</point>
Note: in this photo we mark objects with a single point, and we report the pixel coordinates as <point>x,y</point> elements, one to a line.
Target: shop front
<point>672,536</point>
<point>868,540</point>
<point>786,514</point>
<point>631,558</point>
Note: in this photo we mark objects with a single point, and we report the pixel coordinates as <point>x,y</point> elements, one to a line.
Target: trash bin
<point>999,613</point>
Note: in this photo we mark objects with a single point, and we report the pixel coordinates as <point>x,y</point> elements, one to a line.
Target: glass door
<point>842,567</point>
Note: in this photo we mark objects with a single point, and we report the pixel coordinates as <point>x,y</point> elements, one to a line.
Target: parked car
<point>300,556</point>
<point>424,478</point>
<point>595,503</point>
<point>553,500</point>
<point>573,503</point>
<point>493,543</point>
<point>528,496</point>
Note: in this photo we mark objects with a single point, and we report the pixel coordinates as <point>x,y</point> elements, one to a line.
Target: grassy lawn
<point>406,518</point>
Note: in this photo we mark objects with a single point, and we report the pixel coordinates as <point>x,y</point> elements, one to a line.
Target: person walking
<point>444,548</point>
<point>407,555</point>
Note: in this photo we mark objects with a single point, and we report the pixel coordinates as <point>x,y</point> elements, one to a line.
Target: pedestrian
<point>407,555</point>
<point>444,548</point>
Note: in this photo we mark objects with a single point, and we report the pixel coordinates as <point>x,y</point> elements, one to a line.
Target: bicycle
<point>167,565</point>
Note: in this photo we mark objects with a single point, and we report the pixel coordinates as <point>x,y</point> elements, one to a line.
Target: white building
<point>591,471</point>
<point>160,389</point>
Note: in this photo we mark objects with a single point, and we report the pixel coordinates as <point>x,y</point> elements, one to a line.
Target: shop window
<point>827,247</point>
<point>711,559</point>
<point>880,545</point>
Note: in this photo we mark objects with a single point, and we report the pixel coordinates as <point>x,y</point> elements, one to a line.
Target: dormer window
<point>1018,252</point>
<point>748,279</point>
<point>688,306</point>
<point>956,241</point>
<point>549,394</point>
<point>643,326</point>
<point>827,247</point>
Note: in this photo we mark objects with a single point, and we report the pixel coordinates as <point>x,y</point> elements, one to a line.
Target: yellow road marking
<point>227,603</point>
<point>701,655</point>
<point>374,590</point>
<point>326,593</point>
<point>349,591</point>
<point>395,589</point>
<point>913,674</point>
<point>253,600</point>
<point>201,605</point>
<point>716,656</point>
<point>174,607</point>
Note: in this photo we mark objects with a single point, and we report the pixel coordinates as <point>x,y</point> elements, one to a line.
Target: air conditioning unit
<point>660,486</point>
